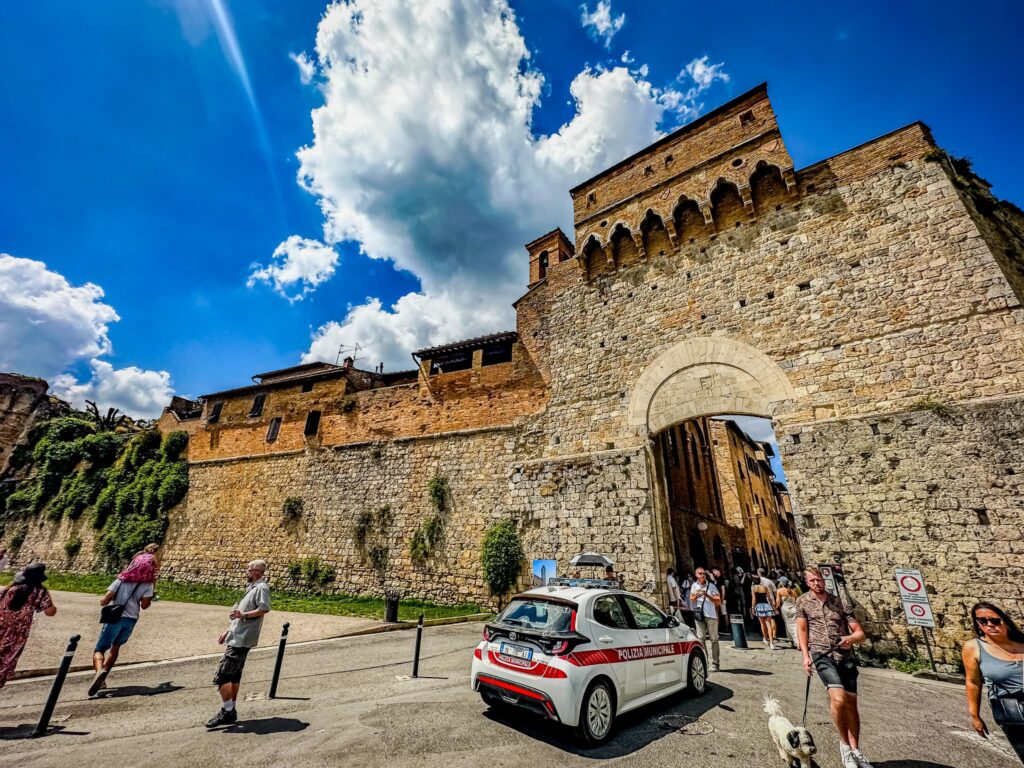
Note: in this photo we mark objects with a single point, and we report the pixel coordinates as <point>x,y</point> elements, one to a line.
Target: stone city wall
<point>940,489</point>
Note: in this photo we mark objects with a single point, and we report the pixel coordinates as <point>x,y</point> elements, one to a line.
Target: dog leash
<point>807,695</point>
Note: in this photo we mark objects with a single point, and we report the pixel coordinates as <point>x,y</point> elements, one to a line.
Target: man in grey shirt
<point>135,597</point>
<point>242,634</point>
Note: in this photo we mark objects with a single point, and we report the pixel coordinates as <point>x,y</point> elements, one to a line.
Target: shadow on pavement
<point>25,732</point>
<point>633,730</point>
<point>741,671</point>
<point>138,690</point>
<point>268,725</point>
<point>911,764</point>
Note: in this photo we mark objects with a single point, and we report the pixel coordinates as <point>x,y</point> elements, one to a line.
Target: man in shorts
<point>134,597</point>
<point>242,634</point>
<point>827,631</point>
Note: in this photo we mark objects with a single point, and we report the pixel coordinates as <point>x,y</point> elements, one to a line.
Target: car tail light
<point>487,634</point>
<point>560,648</point>
<point>478,653</point>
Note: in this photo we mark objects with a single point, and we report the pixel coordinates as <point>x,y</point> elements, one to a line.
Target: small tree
<point>502,557</point>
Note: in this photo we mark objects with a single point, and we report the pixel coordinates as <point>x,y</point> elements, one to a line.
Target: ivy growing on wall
<point>429,533</point>
<point>370,535</point>
<point>502,557</point>
<point>126,482</point>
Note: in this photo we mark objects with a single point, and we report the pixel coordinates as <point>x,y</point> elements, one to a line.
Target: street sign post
<point>916,606</point>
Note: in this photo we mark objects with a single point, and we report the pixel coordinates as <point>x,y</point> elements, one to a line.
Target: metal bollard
<point>58,683</point>
<point>280,659</point>
<point>739,632</point>
<point>416,653</point>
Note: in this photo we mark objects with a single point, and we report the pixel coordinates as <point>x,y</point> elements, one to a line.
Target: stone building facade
<point>23,404</point>
<point>870,304</point>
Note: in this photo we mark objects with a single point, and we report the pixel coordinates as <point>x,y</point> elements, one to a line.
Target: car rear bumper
<point>550,697</point>
<point>517,695</point>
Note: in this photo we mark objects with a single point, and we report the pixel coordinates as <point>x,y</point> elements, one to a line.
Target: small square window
<point>273,429</point>
<point>648,170</point>
<point>746,118</point>
<point>257,405</point>
<point>591,197</point>
<point>307,387</point>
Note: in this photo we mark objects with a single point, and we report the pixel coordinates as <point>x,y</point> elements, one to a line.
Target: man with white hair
<point>242,634</point>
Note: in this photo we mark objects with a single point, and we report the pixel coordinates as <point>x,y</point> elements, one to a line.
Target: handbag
<point>112,612</point>
<point>1008,710</point>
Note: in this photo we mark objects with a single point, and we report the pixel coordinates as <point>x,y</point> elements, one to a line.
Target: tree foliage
<point>502,557</point>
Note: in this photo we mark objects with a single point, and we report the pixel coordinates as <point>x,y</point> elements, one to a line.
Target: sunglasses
<point>993,620</point>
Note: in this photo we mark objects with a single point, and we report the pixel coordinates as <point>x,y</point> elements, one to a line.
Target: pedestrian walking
<point>241,635</point>
<point>705,599</point>
<point>126,597</point>
<point>785,598</point>
<point>675,596</point>
<point>995,657</point>
<point>762,576</point>
<point>827,631</point>
<point>19,602</point>
<point>762,607</point>
<point>686,609</point>
<point>722,582</point>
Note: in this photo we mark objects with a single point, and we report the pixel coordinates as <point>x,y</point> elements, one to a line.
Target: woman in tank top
<point>996,657</point>
<point>762,606</point>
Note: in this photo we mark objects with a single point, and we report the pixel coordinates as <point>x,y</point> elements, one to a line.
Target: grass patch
<point>282,600</point>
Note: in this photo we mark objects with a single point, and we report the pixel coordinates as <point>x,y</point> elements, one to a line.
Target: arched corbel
<point>581,259</point>
<point>789,177</point>
<point>748,201</point>
<point>705,208</point>
<point>638,240</point>
<point>609,254</point>
<point>670,228</point>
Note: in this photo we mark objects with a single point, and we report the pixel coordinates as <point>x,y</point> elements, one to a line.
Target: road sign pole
<point>928,647</point>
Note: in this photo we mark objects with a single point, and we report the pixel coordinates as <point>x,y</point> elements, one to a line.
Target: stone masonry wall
<point>941,490</point>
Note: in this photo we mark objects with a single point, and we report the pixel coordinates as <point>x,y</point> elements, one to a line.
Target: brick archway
<point>707,376</point>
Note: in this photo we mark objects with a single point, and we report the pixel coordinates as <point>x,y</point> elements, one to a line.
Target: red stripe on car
<point>538,669</point>
<point>629,653</point>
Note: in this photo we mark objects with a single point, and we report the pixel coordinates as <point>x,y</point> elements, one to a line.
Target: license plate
<point>516,651</point>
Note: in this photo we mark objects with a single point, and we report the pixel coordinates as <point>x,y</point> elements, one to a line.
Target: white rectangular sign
<point>914,597</point>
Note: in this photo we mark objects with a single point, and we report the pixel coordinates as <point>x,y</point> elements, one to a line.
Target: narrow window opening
<point>874,429</point>
<point>591,197</point>
<point>312,423</point>
<point>257,405</point>
<point>737,162</point>
<point>273,429</point>
<point>542,263</point>
<point>809,521</point>
<point>500,353</point>
<point>804,286</point>
<point>668,159</point>
<point>743,303</point>
<point>982,516</point>
<point>876,520</point>
<point>770,295</point>
<point>307,387</point>
<point>648,170</point>
<point>854,265</point>
<point>796,438</point>
<point>215,413</point>
<point>747,117</point>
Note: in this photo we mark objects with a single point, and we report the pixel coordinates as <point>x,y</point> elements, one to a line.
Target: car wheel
<point>597,714</point>
<point>697,681</point>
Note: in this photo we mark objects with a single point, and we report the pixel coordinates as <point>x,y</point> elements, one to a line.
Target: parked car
<point>583,656</point>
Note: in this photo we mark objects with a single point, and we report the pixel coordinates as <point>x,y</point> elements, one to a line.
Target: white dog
<point>794,742</point>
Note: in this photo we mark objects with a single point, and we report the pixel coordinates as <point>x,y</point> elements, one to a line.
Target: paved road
<point>347,705</point>
<point>167,630</point>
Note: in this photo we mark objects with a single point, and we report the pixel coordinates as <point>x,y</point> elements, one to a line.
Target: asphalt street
<point>350,702</point>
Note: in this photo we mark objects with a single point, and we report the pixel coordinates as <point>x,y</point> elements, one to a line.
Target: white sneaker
<point>714,667</point>
<point>846,756</point>
<point>859,759</point>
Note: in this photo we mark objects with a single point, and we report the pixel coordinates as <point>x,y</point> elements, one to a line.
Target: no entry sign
<point>914,597</point>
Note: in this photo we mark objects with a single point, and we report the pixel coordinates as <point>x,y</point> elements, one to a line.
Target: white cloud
<point>626,58</point>
<point>423,153</point>
<point>307,68</point>
<point>139,393</point>
<point>302,263</point>
<point>600,23</point>
<point>47,325</point>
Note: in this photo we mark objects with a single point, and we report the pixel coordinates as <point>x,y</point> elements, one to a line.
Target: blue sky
<point>135,160</point>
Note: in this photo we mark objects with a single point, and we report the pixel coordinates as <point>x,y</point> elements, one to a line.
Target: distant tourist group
<point>132,592</point>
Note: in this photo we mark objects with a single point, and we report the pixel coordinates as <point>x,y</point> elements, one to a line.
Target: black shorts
<point>837,674</point>
<point>231,665</point>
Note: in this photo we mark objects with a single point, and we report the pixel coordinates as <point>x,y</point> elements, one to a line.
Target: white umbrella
<point>591,558</point>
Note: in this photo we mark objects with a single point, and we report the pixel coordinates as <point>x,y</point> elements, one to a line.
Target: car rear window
<point>537,614</point>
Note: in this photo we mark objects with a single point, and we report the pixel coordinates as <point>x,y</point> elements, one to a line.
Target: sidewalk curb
<point>42,672</point>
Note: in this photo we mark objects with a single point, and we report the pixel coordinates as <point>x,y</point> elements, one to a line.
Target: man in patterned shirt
<point>827,632</point>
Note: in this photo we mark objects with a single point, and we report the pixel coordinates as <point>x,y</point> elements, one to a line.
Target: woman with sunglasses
<point>996,656</point>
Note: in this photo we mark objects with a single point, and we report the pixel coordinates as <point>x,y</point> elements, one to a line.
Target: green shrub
<point>502,557</point>
<point>141,448</point>
<point>361,530</point>
<point>100,449</point>
<point>22,500</point>
<point>348,404</point>
<point>18,538</point>
<point>174,443</point>
<point>437,491</point>
<point>292,506</point>
<point>384,518</point>
<point>378,557</point>
<point>311,571</point>
<point>173,486</point>
<point>125,536</point>
<point>72,545</point>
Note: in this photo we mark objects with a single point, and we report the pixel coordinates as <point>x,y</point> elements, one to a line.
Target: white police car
<point>582,656</point>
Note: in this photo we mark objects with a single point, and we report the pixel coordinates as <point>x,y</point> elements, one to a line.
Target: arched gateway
<point>707,376</point>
